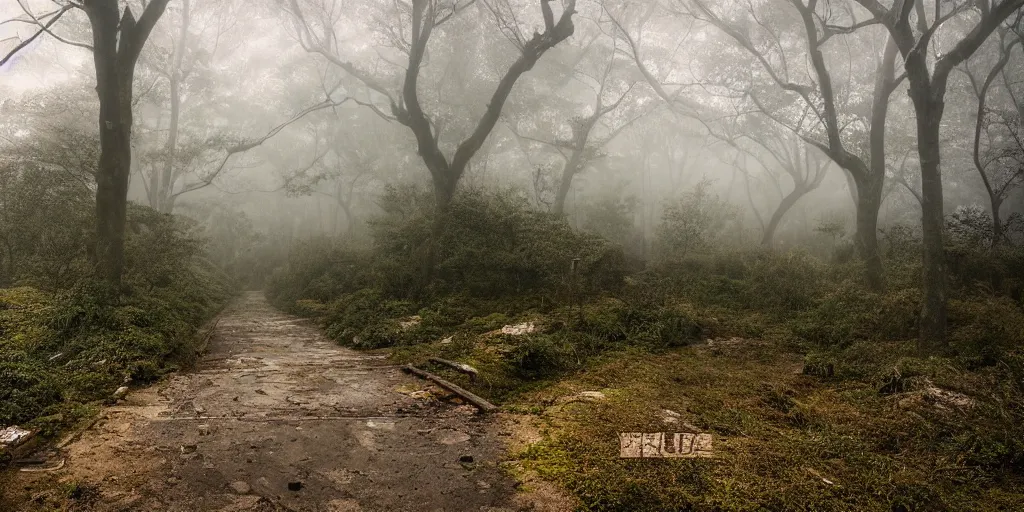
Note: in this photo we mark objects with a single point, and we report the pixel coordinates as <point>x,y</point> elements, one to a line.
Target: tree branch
<point>44,28</point>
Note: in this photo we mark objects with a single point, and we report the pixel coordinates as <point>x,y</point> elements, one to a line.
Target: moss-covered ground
<point>871,427</point>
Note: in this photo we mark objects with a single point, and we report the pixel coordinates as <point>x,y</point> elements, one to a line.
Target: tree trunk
<point>349,222</point>
<point>166,195</point>
<point>165,203</point>
<point>117,42</point>
<point>933,310</point>
<point>869,201</point>
<point>871,185</point>
<point>444,193</point>
<point>565,184</point>
<point>114,87</point>
<point>997,223</point>
<point>787,204</point>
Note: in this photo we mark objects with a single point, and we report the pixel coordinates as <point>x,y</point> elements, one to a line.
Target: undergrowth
<point>64,349</point>
<point>811,384</point>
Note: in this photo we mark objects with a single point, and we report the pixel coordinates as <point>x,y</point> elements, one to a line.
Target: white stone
<point>519,329</point>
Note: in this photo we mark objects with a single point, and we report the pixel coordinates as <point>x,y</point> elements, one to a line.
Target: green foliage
<point>611,218</point>
<point>319,270</point>
<point>71,346</point>
<point>492,244</point>
<point>535,356</point>
<point>45,226</point>
<point>692,223</point>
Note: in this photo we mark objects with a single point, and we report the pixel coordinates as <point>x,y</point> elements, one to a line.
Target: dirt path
<point>274,403</point>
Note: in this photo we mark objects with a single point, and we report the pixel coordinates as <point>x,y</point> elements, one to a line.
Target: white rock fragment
<point>120,392</point>
<point>13,436</point>
<point>409,322</point>
<point>945,397</point>
<point>519,329</point>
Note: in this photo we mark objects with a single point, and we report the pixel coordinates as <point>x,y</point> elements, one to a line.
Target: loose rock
<point>519,329</point>
<point>240,487</point>
<point>120,392</point>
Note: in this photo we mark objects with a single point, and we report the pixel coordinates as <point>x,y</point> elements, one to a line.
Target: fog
<point>619,174</point>
<point>246,71</point>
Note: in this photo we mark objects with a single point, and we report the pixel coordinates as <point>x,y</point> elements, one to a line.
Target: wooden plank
<point>479,402</point>
<point>459,367</point>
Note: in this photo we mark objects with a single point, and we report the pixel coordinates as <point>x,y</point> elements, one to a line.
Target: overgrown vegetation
<point>810,376</point>
<point>65,343</point>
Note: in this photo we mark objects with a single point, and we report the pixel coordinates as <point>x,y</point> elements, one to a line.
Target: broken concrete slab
<point>15,440</point>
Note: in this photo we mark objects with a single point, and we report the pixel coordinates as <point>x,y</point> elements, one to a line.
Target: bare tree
<point>424,16</point>
<point>999,165</point>
<point>819,123</point>
<point>591,132</point>
<point>913,29</point>
<point>803,164</point>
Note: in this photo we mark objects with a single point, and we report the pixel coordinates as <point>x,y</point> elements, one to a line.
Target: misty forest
<point>620,255</point>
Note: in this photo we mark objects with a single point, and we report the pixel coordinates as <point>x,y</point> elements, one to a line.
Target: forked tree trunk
<point>927,93</point>
<point>445,174</point>
<point>117,42</point>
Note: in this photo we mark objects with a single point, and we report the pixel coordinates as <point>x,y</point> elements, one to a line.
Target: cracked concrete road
<point>273,406</point>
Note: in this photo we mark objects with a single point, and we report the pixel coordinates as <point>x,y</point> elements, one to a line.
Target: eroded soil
<point>275,403</point>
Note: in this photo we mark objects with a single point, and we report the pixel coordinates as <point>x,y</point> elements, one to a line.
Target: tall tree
<point>318,35</point>
<point>998,147</point>
<point>614,108</point>
<point>118,39</point>
<point>809,105</point>
<point>913,30</point>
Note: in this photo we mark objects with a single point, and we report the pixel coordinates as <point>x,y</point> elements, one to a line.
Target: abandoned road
<point>277,417</point>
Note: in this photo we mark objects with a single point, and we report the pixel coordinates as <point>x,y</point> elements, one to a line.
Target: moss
<point>779,435</point>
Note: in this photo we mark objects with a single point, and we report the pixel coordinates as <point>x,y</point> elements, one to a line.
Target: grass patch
<point>783,440</point>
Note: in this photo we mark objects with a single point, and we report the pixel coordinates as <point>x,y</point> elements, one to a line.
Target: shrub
<point>60,349</point>
<point>692,223</point>
<point>537,356</point>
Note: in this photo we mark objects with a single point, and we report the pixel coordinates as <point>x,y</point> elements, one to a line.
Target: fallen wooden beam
<point>459,367</point>
<point>480,403</point>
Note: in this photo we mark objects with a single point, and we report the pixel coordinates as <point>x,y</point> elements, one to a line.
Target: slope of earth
<point>275,417</point>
